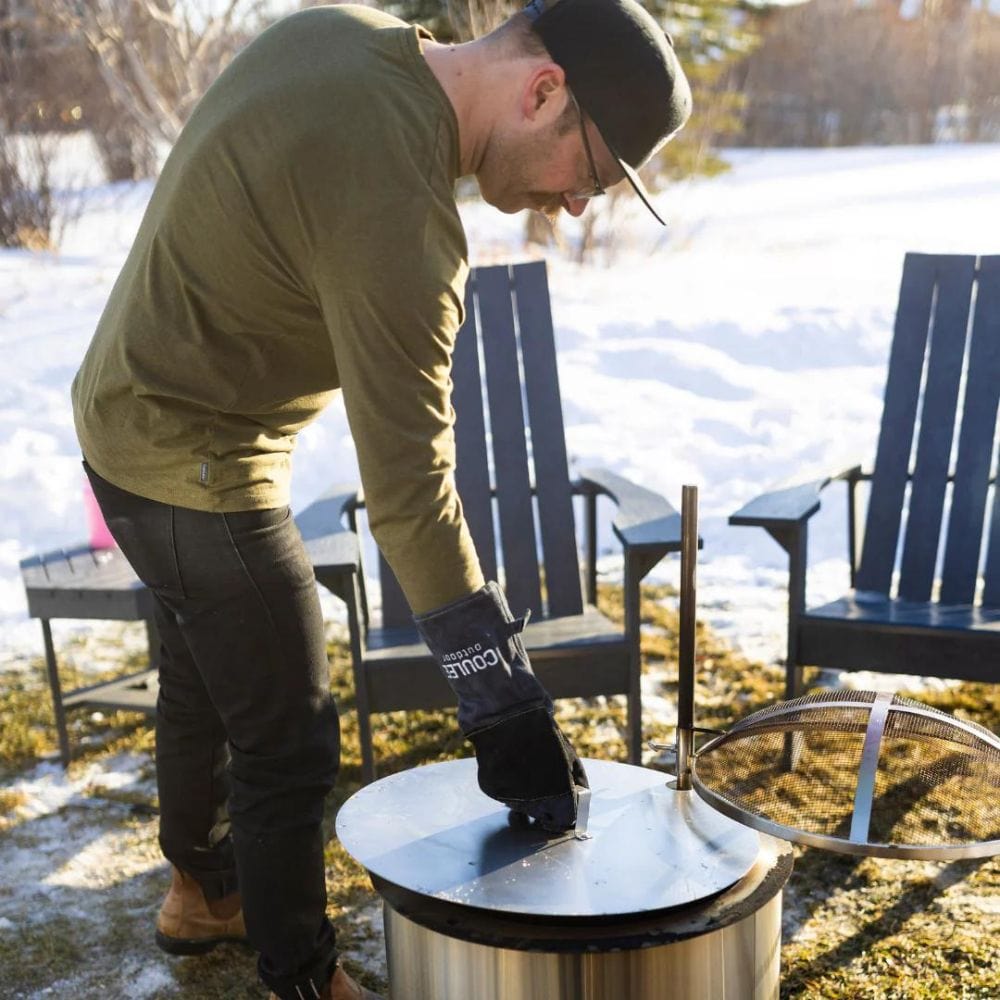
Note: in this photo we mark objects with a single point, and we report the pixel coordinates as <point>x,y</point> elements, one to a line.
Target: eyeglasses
<point>598,188</point>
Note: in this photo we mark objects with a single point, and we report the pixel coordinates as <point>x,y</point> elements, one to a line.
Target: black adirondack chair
<point>513,476</point>
<point>926,585</point>
<point>83,583</point>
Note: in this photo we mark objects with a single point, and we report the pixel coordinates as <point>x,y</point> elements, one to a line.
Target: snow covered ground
<point>743,347</point>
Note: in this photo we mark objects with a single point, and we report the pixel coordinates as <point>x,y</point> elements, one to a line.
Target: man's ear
<point>540,97</point>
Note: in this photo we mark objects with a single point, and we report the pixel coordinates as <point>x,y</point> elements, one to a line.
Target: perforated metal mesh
<point>862,773</point>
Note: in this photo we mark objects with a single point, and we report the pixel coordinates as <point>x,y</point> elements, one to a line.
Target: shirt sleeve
<point>393,332</point>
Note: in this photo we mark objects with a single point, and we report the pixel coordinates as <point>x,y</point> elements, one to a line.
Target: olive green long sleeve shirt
<point>302,238</point>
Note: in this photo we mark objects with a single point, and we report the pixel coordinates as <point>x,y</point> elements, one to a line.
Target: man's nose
<point>575,206</point>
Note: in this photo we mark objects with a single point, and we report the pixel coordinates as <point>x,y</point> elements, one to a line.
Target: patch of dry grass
<point>12,802</point>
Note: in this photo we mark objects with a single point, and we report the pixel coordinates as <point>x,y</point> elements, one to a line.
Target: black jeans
<point>247,734</point>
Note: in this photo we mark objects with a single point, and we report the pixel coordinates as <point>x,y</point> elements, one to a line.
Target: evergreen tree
<point>711,38</point>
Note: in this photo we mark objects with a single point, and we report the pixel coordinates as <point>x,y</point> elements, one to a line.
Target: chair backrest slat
<point>472,474</point>
<point>988,314</point>
<point>892,458</point>
<point>937,427</point>
<point>507,431</point>
<point>934,344</point>
<point>548,441</point>
<point>395,608</point>
<point>976,444</point>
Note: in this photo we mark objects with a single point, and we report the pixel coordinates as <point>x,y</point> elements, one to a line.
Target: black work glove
<point>525,762</point>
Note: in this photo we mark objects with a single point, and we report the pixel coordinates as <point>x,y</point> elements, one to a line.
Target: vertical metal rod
<point>686,637</point>
<point>633,619</point>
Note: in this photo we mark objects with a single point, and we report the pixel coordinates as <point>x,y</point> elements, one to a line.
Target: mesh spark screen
<point>860,772</point>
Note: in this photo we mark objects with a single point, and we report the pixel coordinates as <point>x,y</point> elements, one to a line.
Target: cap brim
<point>639,188</point>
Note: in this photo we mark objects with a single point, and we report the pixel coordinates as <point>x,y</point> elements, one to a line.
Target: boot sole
<point>196,946</point>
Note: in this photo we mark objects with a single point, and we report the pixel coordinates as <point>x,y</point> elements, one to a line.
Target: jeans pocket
<point>255,523</point>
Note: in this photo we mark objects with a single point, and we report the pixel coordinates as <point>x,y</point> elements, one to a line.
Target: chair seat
<point>873,632</point>
<point>82,582</point>
<point>891,613</point>
<point>576,655</point>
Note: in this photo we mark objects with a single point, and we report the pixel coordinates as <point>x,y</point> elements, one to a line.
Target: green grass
<point>855,928</point>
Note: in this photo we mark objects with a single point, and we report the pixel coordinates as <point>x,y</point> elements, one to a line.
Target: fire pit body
<point>665,897</point>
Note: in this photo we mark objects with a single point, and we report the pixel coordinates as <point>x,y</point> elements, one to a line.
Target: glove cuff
<point>477,644</point>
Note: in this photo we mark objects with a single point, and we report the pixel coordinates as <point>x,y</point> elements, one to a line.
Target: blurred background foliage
<point>816,73</point>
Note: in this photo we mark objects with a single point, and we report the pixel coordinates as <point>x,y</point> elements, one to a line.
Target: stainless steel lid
<point>431,831</point>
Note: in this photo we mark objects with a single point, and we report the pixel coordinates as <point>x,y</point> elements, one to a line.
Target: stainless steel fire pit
<point>666,898</point>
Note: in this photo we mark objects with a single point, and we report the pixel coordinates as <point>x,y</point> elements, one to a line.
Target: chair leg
<point>54,686</point>
<point>155,644</point>
<point>354,611</point>
<point>793,680</point>
<point>791,752</point>
<point>792,749</point>
<point>795,544</point>
<point>365,737</point>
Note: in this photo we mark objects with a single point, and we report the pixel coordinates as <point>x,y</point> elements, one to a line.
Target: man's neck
<point>464,73</point>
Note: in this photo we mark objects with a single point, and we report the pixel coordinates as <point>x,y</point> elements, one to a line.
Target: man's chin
<point>529,202</point>
<point>550,213</point>
<point>545,204</point>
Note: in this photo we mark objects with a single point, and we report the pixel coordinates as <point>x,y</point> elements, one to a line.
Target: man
<point>303,237</point>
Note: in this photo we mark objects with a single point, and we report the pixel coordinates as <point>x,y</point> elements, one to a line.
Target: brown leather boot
<point>189,924</point>
<point>340,987</point>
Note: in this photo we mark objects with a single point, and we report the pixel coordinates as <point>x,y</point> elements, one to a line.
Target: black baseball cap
<point>623,71</point>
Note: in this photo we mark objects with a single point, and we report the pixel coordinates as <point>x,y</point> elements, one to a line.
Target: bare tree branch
<point>155,60</point>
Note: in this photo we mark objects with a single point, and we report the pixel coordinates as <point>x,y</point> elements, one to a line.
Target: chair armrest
<point>788,507</point>
<point>331,545</point>
<point>644,519</point>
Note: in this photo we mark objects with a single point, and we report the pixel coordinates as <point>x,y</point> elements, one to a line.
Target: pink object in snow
<point>100,537</point>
